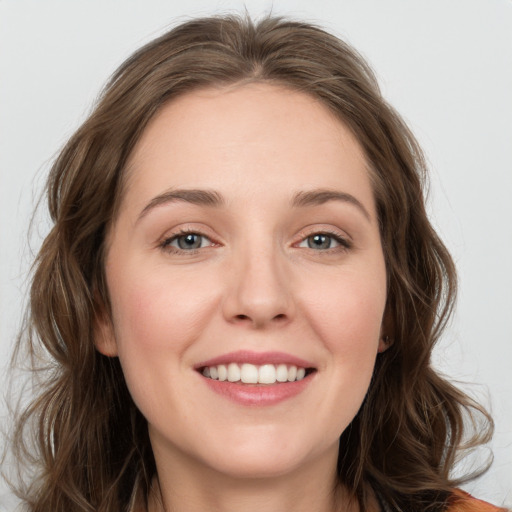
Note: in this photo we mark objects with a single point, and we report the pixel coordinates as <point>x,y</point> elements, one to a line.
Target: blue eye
<point>323,241</point>
<point>187,241</point>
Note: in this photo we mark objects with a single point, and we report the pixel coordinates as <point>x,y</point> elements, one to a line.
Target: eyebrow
<point>195,196</point>
<point>322,196</point>
<point>214,199</point>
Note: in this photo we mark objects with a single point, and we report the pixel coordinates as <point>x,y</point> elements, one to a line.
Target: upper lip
<point>256,358</point>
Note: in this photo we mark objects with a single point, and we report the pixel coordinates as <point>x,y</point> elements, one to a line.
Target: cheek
<point>347,310</point>
<point>353,340</point>
<point>346,314</point>
<point>157,317</point>
<point>159,312</point>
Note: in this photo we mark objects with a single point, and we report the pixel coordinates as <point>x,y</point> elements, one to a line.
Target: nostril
<point>281,316</point>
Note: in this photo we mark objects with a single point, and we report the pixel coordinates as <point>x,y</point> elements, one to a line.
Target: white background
<point>446,65</point>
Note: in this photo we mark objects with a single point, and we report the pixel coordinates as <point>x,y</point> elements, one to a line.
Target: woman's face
<point>246,246</point>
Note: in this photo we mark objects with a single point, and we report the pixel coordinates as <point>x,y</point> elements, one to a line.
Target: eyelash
<point>165,245</point>
<point>344,244</point>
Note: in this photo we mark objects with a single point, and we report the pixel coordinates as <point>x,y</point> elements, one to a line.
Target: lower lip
<point>258,395</point>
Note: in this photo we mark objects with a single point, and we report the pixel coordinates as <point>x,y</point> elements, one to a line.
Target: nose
<point>259,292</point>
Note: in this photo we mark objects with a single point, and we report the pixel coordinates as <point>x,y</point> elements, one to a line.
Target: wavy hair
<point>90,448</point>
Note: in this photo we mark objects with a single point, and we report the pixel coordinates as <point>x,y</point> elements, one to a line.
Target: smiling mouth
<point>247,373</point>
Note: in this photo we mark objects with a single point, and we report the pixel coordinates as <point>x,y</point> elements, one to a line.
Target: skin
<point>254,284</point>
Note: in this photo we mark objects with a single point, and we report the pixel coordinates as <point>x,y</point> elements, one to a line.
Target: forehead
<point>246,139</point>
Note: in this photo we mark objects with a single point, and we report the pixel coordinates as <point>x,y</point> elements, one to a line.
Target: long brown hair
<point>92,447</point>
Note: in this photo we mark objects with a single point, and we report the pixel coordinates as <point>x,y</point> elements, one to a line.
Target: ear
<point>384,343</point>
<point>386,331</point>
<point>104,338</point>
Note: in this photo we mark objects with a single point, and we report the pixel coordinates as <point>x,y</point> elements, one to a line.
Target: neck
<point>184,485</point>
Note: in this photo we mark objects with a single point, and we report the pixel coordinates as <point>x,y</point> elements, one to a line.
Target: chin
<point>258,466</point>
<point>267,455</point>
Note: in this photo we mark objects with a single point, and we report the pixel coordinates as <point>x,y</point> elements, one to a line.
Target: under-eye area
<point>247,373</point>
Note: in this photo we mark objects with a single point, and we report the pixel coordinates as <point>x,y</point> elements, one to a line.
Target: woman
<point>241,291</point>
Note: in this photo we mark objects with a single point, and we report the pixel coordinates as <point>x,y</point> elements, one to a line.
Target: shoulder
<point>461,501</point>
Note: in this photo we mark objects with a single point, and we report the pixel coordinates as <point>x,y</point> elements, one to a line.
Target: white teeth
<point>222,371</point>
<point>282,373</point>
<point>252,374</point>
<point>267,374</point>
<point>249,374</point>
<point>233,372</point>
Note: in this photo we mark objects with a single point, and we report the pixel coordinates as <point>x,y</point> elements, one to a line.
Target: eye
<point>324,241</point>
<point>187,242</point>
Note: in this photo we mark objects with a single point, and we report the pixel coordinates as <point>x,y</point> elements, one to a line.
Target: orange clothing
<point>464,502</point>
